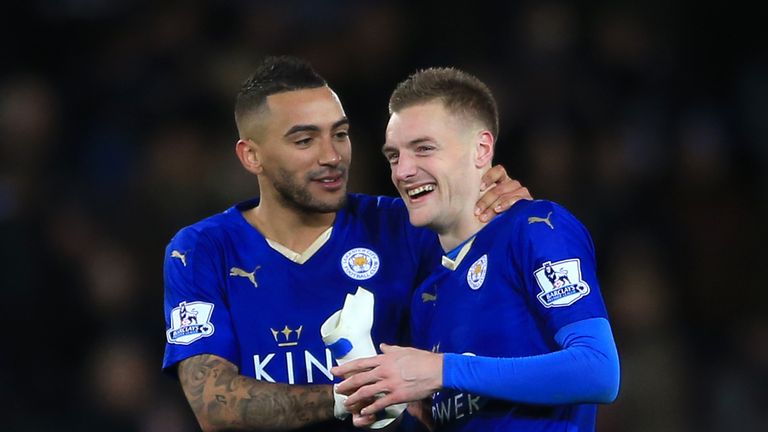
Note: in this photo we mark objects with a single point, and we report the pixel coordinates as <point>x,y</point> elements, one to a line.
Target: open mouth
<point>331,182</point>
<point>420,191</point>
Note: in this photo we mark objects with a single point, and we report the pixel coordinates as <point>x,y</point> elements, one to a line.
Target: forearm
<point>224,400</point>
<point>586,370</point>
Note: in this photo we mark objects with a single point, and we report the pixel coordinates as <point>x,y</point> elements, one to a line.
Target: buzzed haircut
<point>274,74</point>
<point>460,93</point>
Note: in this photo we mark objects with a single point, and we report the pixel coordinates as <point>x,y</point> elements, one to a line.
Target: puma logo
<point>181,256</point>
<point>236,271</point>
<point>425,297</point>
<point>534,219</point>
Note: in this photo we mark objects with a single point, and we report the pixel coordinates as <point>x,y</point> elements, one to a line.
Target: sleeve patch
<point>190,322</point>
<point>560,283</point>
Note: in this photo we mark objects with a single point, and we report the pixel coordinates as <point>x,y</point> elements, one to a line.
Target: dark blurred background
<point>648,120</point>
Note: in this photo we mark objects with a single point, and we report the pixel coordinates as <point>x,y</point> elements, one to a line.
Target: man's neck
<point>464,227</point>
<point>287,226</point>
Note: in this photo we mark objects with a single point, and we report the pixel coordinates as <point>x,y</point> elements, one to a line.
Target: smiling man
<point>503,344</point>
<point>247,290</point>
<point>430,169</point>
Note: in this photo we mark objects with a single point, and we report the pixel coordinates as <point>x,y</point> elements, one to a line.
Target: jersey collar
<point>453,263</point>
<point>301,258</point>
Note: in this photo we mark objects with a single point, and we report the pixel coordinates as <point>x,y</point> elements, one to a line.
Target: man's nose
<point>329,154</point>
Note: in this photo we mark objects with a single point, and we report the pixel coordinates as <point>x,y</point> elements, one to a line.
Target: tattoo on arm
<point>223,399</point>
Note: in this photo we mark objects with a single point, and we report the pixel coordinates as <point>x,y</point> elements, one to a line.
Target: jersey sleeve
<point>584,370</point>
<point>197,317</point>
<point>556,260</point>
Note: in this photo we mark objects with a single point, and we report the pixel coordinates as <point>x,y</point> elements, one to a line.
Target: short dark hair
<point>274,74</point>
<point>460,92</point>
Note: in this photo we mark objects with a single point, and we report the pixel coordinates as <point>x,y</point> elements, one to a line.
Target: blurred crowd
<point>648,120</point>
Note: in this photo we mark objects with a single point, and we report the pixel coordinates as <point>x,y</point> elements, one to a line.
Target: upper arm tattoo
<point>222,398</point>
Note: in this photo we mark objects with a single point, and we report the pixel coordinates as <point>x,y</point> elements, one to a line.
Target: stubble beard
<point>298,196</point>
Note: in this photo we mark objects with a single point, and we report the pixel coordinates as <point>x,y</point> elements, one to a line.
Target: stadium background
<point>649,122</point>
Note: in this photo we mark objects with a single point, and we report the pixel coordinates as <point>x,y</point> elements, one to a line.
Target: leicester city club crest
<point>360,263</point>
<point>560,283</point>
<point>190,322</point>
<point>476,272</point>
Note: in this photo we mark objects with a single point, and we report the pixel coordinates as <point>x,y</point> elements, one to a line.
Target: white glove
<point>347,333</point>
<point>339,410</point>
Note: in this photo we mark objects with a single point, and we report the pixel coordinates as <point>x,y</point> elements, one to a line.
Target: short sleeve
<point>557,266</point>
<point>197,316</point>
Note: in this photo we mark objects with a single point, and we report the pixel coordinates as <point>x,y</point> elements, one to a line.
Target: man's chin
<point>418,219</point>
<point>330,206</point>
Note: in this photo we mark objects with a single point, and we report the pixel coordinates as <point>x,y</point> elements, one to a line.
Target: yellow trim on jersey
<point>301,258</point>
<point>452,264</point>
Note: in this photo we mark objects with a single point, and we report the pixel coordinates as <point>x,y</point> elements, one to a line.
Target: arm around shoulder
<point>222,399</point>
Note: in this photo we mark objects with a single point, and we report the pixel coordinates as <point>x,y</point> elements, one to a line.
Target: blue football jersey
<point>526,274</point>
<point>229,293</point>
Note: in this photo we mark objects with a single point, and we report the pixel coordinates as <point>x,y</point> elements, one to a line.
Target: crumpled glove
<point>347,333</point>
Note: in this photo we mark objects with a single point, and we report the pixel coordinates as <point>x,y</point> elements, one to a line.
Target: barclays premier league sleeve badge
<point>190,322</point>
<point>560,283</point>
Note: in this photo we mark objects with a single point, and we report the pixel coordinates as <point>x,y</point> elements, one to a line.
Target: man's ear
<point>484,147</point>
<point>248,153</point>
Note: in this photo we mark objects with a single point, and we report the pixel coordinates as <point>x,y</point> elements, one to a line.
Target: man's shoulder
<point>530,212</point>
<point>540,222</point>
<point>371,204</point>
<point>210,227</point>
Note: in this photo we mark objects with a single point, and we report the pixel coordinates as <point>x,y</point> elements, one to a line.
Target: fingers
<point>359,419</point>
<point>389,348</point>
<point>354,383</point>
<point>497,174</point>
<point>355,366</point>
<point>378,405</point>
<point>363,421</point>
<point>500,198</point>
<point>483,205</point>
<point>367,392</point>
<point>355,408</point>
<point>492,198</point>
<point>506,200</point>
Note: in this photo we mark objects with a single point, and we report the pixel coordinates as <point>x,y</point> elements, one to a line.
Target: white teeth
<point>420,189</point>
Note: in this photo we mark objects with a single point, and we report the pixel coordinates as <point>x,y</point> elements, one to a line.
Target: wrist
<point>439,367</point>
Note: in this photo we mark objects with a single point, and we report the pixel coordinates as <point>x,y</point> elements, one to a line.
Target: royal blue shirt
<point>506,294</point>
<point>229,293</point>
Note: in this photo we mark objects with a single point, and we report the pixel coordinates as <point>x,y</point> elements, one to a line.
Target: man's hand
<point>398,375</point>
<point>500,193</point>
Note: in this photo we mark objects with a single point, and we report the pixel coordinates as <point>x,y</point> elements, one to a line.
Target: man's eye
<point>342,134</point>
<point>424,148</point>
<point>304,141</point>
<point>391,158</point>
